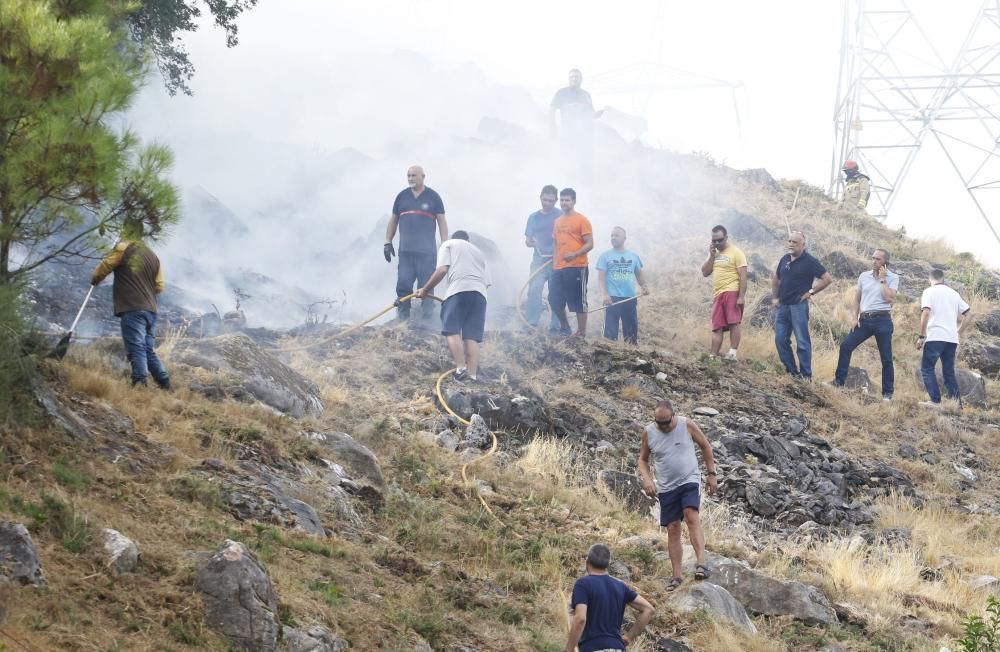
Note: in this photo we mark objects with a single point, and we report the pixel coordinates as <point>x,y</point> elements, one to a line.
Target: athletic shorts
<point>464,313</point>
<point>568,289</point>
<point>725,311</point>
<point>673,502</point>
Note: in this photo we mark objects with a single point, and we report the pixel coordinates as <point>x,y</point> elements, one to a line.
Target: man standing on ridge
<point>727,266</point>
<point>575,107</point>
<point>943,317</point>
<point>598,606</point>
<point>138,279</point>
<point>791,290</point>
<point>416,211</point>
<point>873,299</point>
<point>573,237</point>
<point>618,271</point>
<point>538,236</point>
<point>463,313</point>
<point>668,444</point>
<point>857,187</point>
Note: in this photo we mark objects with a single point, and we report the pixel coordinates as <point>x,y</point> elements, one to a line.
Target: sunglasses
<point>663,423</point>
<point>718,240</point>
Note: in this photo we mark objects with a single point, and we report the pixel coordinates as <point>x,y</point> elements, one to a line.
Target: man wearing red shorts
<point>728,267</point>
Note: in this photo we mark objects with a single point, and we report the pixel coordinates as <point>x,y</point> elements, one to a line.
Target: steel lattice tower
<point>895,89</point>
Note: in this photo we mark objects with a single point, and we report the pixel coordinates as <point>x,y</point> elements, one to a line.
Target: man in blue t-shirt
<point>418,212</point>
<point>598,606</point>
<point>791,290</point>
<point>618,272</point>
<point>538,236</point>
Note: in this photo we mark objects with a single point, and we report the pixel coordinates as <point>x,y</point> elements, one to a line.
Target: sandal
<point>702,572</point>
<point>673,583</point>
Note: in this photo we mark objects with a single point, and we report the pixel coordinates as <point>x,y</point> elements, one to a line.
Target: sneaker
<point>461,375</point>
<point>887,398</point>
<point>930,404</point>
<point>565,332</point>
<point>731,356</point>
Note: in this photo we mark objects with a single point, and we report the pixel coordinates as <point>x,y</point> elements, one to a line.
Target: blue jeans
<point>945,351</point>
<point>414,268</point>
<point>628,314</point>
<point>794,319</point>
<point>139,334</point>
<point>533,304</point>
<point>880,328</point>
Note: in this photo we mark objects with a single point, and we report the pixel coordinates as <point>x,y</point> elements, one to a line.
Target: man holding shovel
<point>138,279</point>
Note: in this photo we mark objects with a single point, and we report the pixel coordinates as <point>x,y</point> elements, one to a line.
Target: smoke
<point>287,186</point>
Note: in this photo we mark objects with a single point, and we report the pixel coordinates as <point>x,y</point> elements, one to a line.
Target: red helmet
<point>850,166</point>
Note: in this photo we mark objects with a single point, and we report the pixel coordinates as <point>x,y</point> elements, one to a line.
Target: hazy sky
<point>785,53</point>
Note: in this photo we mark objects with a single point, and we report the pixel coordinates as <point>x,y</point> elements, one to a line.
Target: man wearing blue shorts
<point>463,313</point>
<point>670,441</point>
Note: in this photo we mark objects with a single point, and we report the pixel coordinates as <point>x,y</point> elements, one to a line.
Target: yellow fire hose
<point>335,336</point>
<point>524,287</point>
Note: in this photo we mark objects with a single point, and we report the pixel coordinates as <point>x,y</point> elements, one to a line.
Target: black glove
<point>388,251</point>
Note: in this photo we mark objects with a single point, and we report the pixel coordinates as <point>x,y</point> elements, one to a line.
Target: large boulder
<point>314,639</point>
<point>767,595</point>
<point>747,229</point>
<point>628,489</point>
<point>18,556</point>
<point>762,314</point>
<point>842,266</point>
<point>857,378</point>
<point>122,552</point>
<point>255,371</point>
<point>971,385</point>
<point>989,323</point>
<point>359,461</point>
<point>982,356</point>
<point>240,602</point>
<point>714,599</point>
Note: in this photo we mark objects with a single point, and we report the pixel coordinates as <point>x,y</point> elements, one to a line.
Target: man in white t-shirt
<point>463,313</point>
<point>943,317</point>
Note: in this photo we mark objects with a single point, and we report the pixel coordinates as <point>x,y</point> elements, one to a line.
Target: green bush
<point>982,635</point>
<point>16,363</point>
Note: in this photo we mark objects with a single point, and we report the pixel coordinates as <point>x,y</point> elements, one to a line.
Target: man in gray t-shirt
<point>669,442</point>
<point>873,299</point>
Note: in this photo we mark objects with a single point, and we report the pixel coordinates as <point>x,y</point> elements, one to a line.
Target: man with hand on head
<point>667,452</point>
<point>463,313</point>
<point>791,291</point>
<point>418,212</point>
<point>538,236</point>
<point>598,606</point>
<point>573,237</point>
<point>873,299</point>
<point>727,266</point>
<point>618,271</point>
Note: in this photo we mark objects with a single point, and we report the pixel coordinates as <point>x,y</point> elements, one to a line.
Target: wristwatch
<point>811,291</point>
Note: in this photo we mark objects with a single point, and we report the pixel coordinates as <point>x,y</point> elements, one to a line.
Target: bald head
<point>796,243</point>
<point>415,177</point>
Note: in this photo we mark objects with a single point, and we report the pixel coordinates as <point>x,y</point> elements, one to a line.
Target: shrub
<point>982,635</point>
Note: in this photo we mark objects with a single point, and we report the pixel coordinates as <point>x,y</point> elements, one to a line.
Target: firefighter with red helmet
<point>857,187</point>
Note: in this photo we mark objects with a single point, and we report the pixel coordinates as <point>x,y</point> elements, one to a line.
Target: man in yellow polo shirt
<point>728,267</point>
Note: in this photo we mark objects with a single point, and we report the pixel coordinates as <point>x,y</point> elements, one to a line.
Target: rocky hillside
<point>313,498</point>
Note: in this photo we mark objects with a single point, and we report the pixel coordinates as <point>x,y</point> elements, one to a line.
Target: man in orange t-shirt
<point>573,237</point>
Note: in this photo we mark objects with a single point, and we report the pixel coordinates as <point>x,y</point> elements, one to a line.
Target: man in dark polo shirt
<point>419,213</point>
<point>138,279</point>
<point>791,290</point>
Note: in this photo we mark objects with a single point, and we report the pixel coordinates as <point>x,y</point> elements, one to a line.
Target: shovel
<point>63,346</point>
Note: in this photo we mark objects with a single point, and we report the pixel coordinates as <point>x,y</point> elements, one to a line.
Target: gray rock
<point>762,314</point>
<point>314,639</point>
<point>989,323</point>
<point>628,489</point>
<point>359,461</point>
<point>260,495</point>
<point>982,356</point>
<point>965,472</point>
<point>420,645</point>
<point>841,266</point>
<point>670,645</point>
<point>705,411</point>
<point>123,553</point>
<point>930,458</point>
<point>749,229</point>
<point>971,385</point>
<point>618,568</point>
<point>239,600</point>
<point>477,434</point>
<point>604,446</point>
<point>261,375</point>
<point>770,596</point>
<point>660,376</point>
<point>19,562</point>
<point>714,599</point>
<point>908,452</point>
<point>984,583</point>
<point>857,378</point>
<point>447,440</point>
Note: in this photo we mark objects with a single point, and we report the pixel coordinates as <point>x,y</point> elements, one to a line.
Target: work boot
<point>164,383</point>
<point>139,381</point>
<point>403,313</point>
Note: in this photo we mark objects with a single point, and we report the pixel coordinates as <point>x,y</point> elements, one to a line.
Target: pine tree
<point>68,173</point>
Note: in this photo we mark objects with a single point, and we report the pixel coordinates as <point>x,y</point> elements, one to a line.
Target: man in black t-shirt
<point>418,212</point>
<point>791,290</point>
<point>576,109</point>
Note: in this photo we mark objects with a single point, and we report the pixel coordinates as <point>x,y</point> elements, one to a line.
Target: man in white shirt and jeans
<point>943,317</point>
<point>463,313</point>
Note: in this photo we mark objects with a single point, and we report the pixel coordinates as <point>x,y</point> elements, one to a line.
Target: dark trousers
<point>139,335</point>
<point>627,313</point>
<point>880,328</point>
<point>945,351</point>
<point>414,268</point>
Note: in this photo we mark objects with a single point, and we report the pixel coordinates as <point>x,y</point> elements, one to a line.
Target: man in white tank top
<point>669,441</point>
